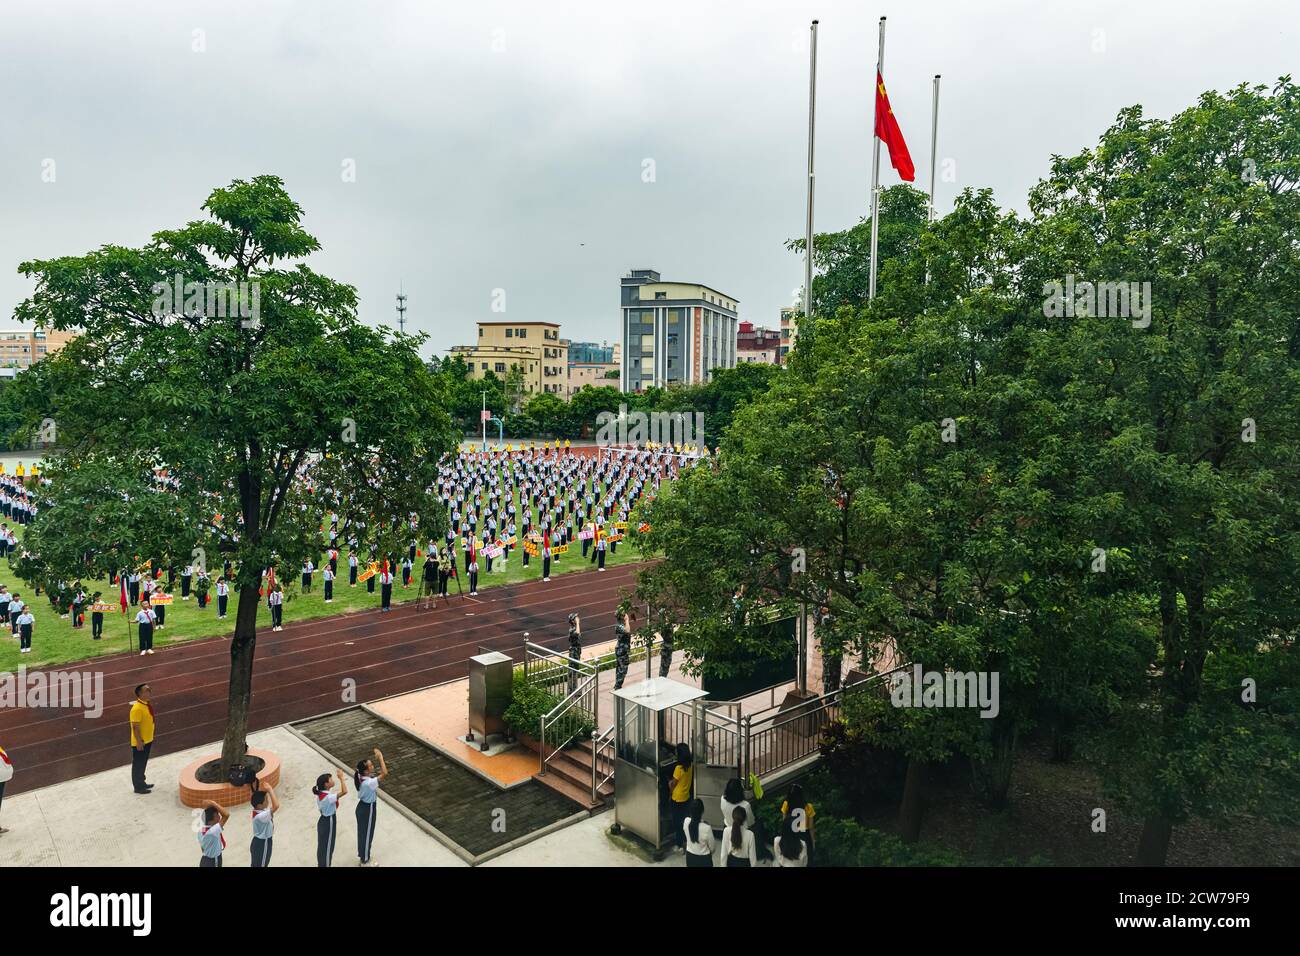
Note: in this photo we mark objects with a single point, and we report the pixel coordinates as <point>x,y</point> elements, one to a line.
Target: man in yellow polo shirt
<point>141,737</point>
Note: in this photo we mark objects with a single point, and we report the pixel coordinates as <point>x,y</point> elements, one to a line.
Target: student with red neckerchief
<point>211,840</point>
<point>327,802</point>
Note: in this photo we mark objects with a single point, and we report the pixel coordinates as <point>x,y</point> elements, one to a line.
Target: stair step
<point>579,795</point>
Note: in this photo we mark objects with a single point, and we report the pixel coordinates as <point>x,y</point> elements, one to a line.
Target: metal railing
<point>573,718</point>
<point>601,742</point>
<point>773,739</point>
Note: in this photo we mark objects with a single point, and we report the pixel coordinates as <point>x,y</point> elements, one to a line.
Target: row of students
<point>741,833</point>
<point>265,804</point>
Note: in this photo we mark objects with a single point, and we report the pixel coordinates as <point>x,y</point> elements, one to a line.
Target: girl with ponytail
<point>327,802</point>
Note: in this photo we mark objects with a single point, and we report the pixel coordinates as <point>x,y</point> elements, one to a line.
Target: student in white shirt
<point>265,806</point>
<point>223,596</point>
<point>700,845</point>
<point>789,849</point>
<point>367,781</point>
<point>327,802</point>
<point>738,844</point>
<point>329,585</point>
<point>145,618</point>
<point>275,601</point>
<point>211,840</point>
<point>25,622</point>
<point>733,796</point>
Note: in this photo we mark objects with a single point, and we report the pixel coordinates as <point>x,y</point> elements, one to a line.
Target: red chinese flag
<point>889,133</point>
<point>122,594</point>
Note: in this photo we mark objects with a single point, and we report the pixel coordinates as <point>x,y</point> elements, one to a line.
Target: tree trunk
<point>913,804</point>
<point>1153,848</point>
<point>240,692</point>
<point>1062,739</point>
<point>993,776</point>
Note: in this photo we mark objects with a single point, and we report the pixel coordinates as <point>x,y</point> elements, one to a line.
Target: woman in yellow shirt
<point>681,792</point>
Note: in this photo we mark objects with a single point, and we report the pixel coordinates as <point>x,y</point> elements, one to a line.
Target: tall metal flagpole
<point>934,144</point>
<point>802,669</point>
<point>875,161</point>
<point>812,120</point>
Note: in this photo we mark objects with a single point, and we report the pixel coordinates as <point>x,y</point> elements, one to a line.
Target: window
<point>521,333</point>
<point>480,331</point>
<point>485,366</point>
<point>501,366</point>
<point>661,295</point>
<point>510,333</point>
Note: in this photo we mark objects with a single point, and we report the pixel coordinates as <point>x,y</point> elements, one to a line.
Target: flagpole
<point>812,120</point>
<point>934,144</point>
<point>875,160</point>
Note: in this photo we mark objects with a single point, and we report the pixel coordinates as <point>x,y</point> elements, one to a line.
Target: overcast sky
<point>503,145</point>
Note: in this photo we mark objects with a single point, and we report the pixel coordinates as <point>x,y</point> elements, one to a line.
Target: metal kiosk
<point>650,719</point>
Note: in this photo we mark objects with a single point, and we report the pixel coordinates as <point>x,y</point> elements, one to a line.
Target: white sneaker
<point>143,653</point>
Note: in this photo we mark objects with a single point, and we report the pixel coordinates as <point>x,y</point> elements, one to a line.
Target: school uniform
<point>326,827</point>
<point>211,842</point>
<point>5,598</point>
<point>306,576</point>
<point>745,857</point>
<point>367,809</point>
<point>385,590</point>
<point>186,576</point>
<point>699,852</point>
<point>133,588</point>
<point>546,562</point>
<point>223,597</point>
<point>144,618</point>
<point>96,625</point>
<point>259,850</point>
<point>352,570</point>
<point>328,575</point>
<point>472,567</point>
<point>25,622</point>
<point>275,601</point>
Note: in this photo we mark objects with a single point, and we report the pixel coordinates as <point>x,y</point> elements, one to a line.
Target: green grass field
<point>54,641</point>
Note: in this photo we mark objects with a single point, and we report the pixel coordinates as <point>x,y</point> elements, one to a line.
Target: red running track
<point>300,671</point>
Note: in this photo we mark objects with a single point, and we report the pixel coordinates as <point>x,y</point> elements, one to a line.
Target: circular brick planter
<point>195,794</point>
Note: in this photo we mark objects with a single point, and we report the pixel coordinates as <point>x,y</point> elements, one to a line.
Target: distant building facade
<point>673,332</point>
<point>23,348</point>
<point>534,347</point>
<point>757,345</point>
<point>789,331</point>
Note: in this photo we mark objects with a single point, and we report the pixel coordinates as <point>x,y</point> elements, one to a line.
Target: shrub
<point>530,703</point>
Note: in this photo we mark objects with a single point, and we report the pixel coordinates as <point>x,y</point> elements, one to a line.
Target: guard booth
<point>650,719</point>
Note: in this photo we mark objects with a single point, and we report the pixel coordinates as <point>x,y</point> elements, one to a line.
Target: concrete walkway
<point>96,821</point>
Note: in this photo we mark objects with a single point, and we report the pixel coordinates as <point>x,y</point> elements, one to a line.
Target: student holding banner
<point>97,609</point>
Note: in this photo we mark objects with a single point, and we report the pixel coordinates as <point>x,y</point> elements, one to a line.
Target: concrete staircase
<point>569,773</point>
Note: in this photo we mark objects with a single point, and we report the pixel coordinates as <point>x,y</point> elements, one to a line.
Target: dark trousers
<point>370,583</point>
<point>386,596</point>
<point>698,859</point>
<point>203,600</point>
<point>185,586</point>
<point>366,829</point>
<point>473,580</point>
<point>442,583</point>
<point>77,618</point>
<point>680,809</point>
<point>352,575</point>
<point>326,830</point>
<point>259,853</point>
<point>600,560</point>
<point>161,611</point>
<point>210,862</point>
<point>4,613</point>
<point>97,624</point>
<point>139,760</point>
<point>306,582</point>
<point>134,588</point>
<point>277,614</point>
<point>146,637</point>
<point>546,567</point>
<point>329,590</point>
<point>222,600</point>
<point>25,636</point>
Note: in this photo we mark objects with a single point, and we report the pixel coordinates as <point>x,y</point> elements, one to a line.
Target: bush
<point>868,775</point>
<point>530,703</point>
<point>849,843</point>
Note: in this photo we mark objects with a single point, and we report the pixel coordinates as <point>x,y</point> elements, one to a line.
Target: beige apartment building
<point>534,347</point>
<point>23,348</point>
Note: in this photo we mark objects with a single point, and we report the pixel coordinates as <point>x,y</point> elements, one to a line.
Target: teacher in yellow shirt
<point>142,728</point>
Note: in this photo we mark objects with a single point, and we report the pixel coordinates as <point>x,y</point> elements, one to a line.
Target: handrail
<point>599,742</point>
<point>589,688</point>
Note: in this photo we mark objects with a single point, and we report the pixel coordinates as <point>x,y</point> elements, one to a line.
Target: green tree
<point>262,420</point>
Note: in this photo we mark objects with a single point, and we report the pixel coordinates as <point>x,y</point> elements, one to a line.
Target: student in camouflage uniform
<point>575,649</point>
<point>622,648</point>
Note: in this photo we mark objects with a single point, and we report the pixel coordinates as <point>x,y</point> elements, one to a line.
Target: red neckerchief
<point>148,705</point>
